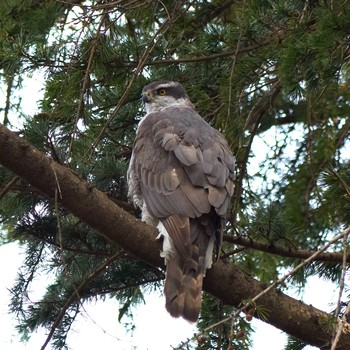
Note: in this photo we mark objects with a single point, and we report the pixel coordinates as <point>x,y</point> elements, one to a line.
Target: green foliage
<point>224,334</point>
<point>70,263</point>
<point>271,73</point>
<point>270,225</point>
<point>336,200</point>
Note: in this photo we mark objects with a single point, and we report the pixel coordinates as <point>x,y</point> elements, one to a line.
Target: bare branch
<point>8,187</point>
<point>336,257</point>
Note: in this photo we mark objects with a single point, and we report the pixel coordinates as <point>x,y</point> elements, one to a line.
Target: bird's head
<point>163,94</point>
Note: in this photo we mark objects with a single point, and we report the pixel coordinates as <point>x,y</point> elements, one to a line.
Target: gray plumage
<point>181,175</point>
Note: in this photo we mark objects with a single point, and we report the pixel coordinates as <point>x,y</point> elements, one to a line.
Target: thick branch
<point>225,281</point>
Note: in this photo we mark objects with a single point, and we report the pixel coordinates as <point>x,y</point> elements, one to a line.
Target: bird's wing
<point>184,166</point>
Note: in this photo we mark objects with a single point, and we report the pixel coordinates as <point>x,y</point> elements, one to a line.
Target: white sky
<point>155,329</point>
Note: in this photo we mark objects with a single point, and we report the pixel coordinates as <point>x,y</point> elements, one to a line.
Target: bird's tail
<point>185,272</point>
<point>183,286</point>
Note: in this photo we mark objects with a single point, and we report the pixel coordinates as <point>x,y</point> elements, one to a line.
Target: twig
<point>75,295</point>
<point>10,81</point>
<point>9,186</point>
<point>341,290</point>
<point>232,72</point>
<point>285,252</point>
<point>342,182</point>
<point>202,58</point>
<point>59,224</point>
<point>85,82</point>
<point>345,233</point>
<point>58,187</point>
<point>254,117</point>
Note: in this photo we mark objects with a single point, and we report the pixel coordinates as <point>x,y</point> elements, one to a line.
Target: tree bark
<point>224,280</point>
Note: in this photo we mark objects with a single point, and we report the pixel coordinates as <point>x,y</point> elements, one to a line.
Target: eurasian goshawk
<point>181,175</point>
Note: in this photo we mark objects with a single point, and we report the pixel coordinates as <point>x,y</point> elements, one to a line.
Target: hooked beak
<point>146,96</point>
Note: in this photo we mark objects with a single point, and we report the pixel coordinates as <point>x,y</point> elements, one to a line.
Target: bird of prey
<point>181,175</point>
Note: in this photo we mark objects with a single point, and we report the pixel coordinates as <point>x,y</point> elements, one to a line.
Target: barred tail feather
<point>183,288</point>
<point>187,248</point>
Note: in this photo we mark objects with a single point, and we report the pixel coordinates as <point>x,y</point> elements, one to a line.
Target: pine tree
<point>274,72</point>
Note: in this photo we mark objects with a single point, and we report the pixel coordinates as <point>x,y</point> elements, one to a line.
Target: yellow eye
<point>162,92</point>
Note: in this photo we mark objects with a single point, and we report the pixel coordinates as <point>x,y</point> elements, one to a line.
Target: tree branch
<point>224,280</point>
<point>185,60</point>
<point>247,242</point>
